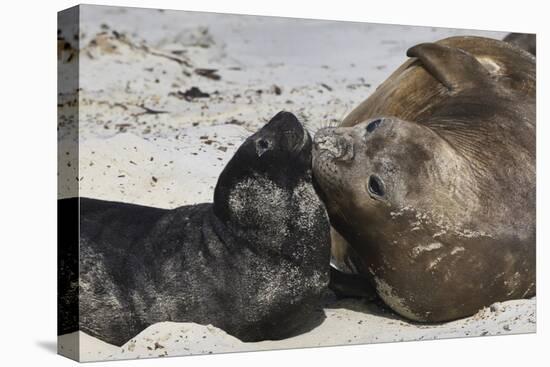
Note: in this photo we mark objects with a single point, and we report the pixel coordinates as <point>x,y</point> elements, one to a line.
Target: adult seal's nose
<point>339,145</point>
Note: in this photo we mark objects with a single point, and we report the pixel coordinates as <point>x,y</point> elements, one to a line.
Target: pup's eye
<point>262,146</point>
<point>373,125</point>
<point>376,186</point>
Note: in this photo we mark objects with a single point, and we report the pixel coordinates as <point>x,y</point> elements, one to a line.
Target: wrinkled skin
<point>431,181</point>
<point>254,262</point>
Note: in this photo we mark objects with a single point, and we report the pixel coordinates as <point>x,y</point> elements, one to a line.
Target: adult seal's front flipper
<point>453,67</point>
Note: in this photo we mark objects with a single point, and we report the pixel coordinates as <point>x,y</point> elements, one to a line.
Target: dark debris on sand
<point>208,73</point>
<point>190,94</point>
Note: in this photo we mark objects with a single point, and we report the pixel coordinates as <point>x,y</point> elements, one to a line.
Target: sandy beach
<point>167,97</point>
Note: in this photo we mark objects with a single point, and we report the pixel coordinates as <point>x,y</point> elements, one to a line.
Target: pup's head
<point>265,193</point>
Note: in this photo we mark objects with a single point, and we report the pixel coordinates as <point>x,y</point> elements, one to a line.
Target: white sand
<point>348,322</point>
<point>318,70</point>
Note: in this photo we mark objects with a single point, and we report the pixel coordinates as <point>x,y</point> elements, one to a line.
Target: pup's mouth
<point>305,143</point>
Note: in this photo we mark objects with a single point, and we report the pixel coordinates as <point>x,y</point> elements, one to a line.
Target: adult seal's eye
<point>373,125</point>
<point>376,186</point>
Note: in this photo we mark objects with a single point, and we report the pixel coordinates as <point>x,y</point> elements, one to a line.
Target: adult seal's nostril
<point>339,146</point>
<point>345,146</point>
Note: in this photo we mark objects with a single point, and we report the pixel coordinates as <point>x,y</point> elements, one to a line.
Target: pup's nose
<point>285,121</point>
<point>287,133</point>
<point>336,143</point>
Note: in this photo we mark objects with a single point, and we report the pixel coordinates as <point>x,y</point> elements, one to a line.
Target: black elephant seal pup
<point>253,263</point>
<point>431,181</point>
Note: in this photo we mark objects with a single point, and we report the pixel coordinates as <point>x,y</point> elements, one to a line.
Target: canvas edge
<point>68,23</point>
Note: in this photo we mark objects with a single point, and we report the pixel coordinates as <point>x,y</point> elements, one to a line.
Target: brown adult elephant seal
<point>526,41</point>
<point>431,180</point>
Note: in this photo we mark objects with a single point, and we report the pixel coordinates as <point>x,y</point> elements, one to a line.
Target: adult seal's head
<point>431,181</point>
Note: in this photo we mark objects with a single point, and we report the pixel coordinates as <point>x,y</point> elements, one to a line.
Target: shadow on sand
<point>48,345</point>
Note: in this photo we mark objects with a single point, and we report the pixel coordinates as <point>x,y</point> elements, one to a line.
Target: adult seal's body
<point>526,41</point>
<point>431,180</point>
<point>254,263</point>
